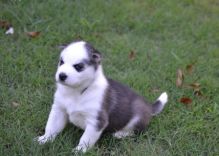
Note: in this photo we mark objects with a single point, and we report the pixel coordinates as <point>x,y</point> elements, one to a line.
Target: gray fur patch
<point>94,55</point>
<point>120,105</point>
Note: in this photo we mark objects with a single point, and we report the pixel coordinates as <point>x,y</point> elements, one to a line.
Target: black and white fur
<point>92,102</point>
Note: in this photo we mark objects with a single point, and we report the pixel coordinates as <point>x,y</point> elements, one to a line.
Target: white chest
<point>81,110</point>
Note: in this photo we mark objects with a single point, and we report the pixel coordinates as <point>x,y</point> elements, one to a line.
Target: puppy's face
<point>77,65</point>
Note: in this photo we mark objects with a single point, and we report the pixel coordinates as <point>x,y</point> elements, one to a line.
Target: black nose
<point>62,76</point>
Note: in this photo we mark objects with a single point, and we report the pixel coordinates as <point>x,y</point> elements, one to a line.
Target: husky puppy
<point>92,102</point>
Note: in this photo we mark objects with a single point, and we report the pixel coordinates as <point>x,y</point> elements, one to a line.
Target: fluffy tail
<point>158,106</point>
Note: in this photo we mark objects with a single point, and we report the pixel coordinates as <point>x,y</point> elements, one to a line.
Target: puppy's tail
<point>158,106</point>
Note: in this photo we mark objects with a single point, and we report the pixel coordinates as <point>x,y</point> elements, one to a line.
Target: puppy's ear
<point>94,54</point>
<point>96,57</point>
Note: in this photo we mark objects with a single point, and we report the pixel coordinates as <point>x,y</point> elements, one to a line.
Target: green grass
<point>165,34</point>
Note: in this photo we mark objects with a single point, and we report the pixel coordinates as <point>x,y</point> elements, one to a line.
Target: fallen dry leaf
<point>132,55</point>
<point>197,89</point>
<point>186,100</point>
<point>180,78</point>
<point>10,31</point>
<point>5,24</point>
<point>155,90</point>
<point>15,104</point>
<point>33,34</point>
<point>198,93</point>
<point>189,68</point>
<point>195,85</point>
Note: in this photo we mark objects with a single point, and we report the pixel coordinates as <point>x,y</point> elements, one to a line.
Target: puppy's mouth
<point>62,82</point>
<point>75,86</point>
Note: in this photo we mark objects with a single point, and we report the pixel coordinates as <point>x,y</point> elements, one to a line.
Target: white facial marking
<point>74,52</point>
<point>73,58</point>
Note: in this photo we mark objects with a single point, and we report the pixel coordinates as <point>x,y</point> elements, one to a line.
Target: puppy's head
<point>78,64</point>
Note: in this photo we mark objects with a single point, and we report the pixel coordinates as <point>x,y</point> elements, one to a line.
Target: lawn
<point>143,43</point>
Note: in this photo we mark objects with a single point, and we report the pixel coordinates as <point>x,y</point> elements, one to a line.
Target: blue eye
<point>79,67</point>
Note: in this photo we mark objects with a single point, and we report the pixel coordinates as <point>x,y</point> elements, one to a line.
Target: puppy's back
<point>122,104</point>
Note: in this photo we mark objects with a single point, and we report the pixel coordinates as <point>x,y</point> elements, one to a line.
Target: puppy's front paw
<point>80,148</point>
<point>41,139</point>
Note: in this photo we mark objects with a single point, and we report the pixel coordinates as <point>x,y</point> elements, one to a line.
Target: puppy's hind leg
<point>122,133</point>
<point>128,130</point>
<point>55,124</point>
